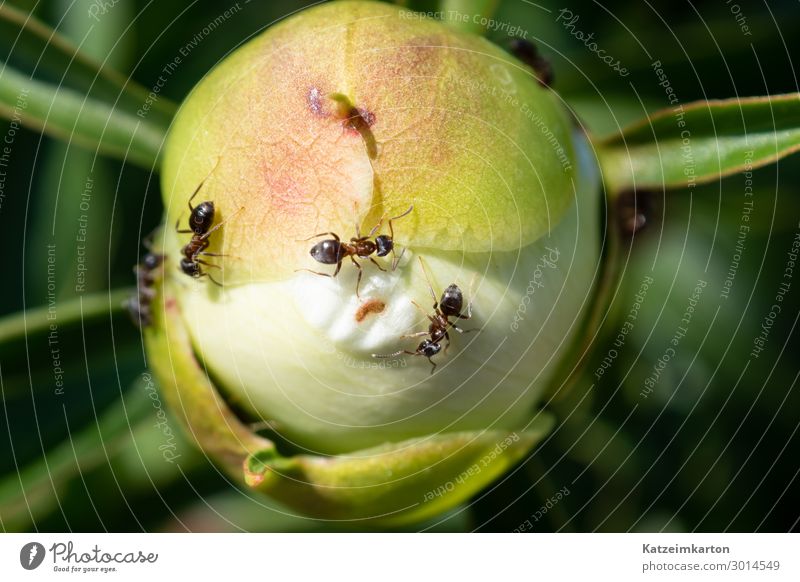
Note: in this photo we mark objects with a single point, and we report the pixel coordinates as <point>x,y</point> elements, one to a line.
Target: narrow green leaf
<point>700,142</point>
<point>47,85</point>
<point>70,177</point>
<point>72,117</point>
<point>16,327</point>
<point>35,490</point>
<point>24,338</point>
<point>28,45</point>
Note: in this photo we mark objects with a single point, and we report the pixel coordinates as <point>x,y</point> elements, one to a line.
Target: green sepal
<point>394,483</point>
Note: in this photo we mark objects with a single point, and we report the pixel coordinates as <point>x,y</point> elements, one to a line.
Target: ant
<point>527,52</point>
<point>200,221</point>
<point>139,305</point>
<point>333,251</point>
<point>450,305</point>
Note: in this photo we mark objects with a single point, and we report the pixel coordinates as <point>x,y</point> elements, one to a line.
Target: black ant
<point>139,305</point>
<point>450,305</point>
<point>333,251</point>
<point>527,52</point>
<point>200,221</point>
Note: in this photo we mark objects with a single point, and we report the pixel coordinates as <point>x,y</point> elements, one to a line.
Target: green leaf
<point>19,326</point>
<point>62,213</point>
<point>25,350</point>
<point>72,117</point>
<point>35,490</point>
<point>48,85</point>
<point>700,142</point>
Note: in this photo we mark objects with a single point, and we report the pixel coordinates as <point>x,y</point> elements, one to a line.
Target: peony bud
<point>336,118</point>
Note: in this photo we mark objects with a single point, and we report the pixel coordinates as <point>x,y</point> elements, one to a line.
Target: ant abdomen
<point>202,218</point>
<point>452,301</point>
<point>328,252</point>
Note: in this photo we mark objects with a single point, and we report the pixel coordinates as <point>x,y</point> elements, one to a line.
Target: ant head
<point>452,300</point>
<point>429,348</point>
<point>385,245</point>
<point>202,217</point>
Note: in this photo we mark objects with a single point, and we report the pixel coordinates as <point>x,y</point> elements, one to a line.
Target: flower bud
<point>336,121</point>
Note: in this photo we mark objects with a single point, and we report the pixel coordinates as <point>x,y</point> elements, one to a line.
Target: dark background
<point>714,448</point>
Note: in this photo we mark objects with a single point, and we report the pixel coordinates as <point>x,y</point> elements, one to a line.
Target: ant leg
<point>397,353</point>
<point>333,234</point>
<point>433,365</point>
<point>459,330</point>
<point>417,334</point>
<point>376,227</point>
<point>147,241</point>
<point>360,273</point>
<point>425,313</point>
<point>189,202</point>
<point>213,280</point>
<point>406,213</point>
<point>314,272</point>
<point>469,303</point>
<point>218,226</point>
<point>203,181</point>
<point>447,345</point>
<point>428,280</point>
<point>377,264</point>
<point>207,264</point>
<point>396,259</point>
<point>205,254</point>
<point>355,220</point>
<point>182,231</point>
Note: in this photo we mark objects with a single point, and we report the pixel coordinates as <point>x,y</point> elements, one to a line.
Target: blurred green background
<point>714,447</point>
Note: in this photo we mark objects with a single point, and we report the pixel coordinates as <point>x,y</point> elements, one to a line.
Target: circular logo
<point>31,555</point>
